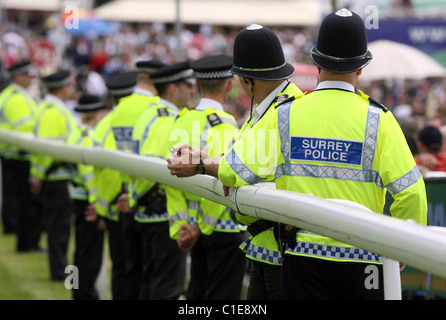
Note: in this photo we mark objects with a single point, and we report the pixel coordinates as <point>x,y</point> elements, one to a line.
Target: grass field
<point>26,276</point>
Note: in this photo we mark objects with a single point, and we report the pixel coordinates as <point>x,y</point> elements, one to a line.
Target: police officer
<point>336,143</point>
<point>123,119</point>
<point>20,212</point>
<point>109,184</point>
<point>50,177</point>
<point>89,236</point>
<point>263,77</point>
<point>163,262</point>
<point>200,226</point>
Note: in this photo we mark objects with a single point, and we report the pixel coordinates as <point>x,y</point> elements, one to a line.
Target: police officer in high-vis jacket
<point>337,143</point>
<point>20,209</point>
<point>264,78</point>
<point>163,272</point>
<point>50,177</point>
<point>124,117</point>
<point>89,235</point>
<point>205,228</point>
<point>109,184</point>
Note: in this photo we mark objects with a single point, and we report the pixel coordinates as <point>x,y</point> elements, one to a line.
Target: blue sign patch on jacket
<point>326,150</point>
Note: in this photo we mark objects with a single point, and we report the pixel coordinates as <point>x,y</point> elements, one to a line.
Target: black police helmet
<point>258,54</point>
<point>342,43</point>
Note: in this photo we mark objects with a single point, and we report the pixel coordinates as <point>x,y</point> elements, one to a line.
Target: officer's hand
<point>35,185</point>
<point>100,225</point>
<point>123,203</point>
<point>184,160</point>
<point>90,213</point>
<point>188,236</point>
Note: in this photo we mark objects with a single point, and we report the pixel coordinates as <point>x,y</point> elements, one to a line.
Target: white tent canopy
<point>227,12</point>
<point>397,60</point>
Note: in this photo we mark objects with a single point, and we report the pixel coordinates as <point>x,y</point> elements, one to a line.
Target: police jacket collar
<point>266,103</point>
<point>169,104</point>
<point>341,85</point>
<point>53,99</point>
<point>209,103</point>
<point>20,89</point>
<point>143,92</point>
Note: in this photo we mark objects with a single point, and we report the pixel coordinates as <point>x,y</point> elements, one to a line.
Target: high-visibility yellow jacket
<point>83,174</point>
<point>108,182</point>
<point>210,129</point>
<point>124,117</point>
<point>151,136</point>
<point>17,109</point>
<point>334,144</point>
<point>262,245</point>
<point>53,121</point>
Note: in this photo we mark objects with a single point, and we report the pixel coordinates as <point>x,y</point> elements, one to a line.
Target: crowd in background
<point>415,103</point>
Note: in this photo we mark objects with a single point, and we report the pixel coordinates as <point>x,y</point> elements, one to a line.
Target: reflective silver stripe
<point>22,121</point>
<point>88,177</point>
<point>179,216</point>
<point>260,253</point>
<point>365,174</point>
<point>154,217</point>
<point>106,204</point>
<point>241,169</point>
<point>334,252</point>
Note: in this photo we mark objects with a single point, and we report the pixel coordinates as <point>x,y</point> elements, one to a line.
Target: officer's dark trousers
<point>57,210</point>
<point>217,267</point>
<point>264,281</point>
<point>164,263</point>
<point>306,278</point>
<point>88,253</point>
<point>118,256</point>
<point>10,205</point>
<point>133,243</point>
<point>22,211</point>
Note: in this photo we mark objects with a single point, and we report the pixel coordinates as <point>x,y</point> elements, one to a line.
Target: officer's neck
<point>351,77</point>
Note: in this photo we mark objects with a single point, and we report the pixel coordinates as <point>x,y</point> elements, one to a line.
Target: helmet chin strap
<point>252,98</point>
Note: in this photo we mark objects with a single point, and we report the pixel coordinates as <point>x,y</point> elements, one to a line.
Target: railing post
<point>392,279</point>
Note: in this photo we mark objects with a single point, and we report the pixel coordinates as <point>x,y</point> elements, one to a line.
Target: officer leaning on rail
<point>335,143</point>
<point>50,177</point>
<point>20,209</point>
<point>201,226</point>
<point>264,79</point>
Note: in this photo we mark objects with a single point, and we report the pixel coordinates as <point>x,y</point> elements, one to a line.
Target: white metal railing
<point>404,241</point>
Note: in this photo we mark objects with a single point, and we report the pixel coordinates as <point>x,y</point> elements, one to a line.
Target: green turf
<point>26,276</point>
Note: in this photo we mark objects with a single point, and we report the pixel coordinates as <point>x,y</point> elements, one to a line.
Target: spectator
<point>432,156</point>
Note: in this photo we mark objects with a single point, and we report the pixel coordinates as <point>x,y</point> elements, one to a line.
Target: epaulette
<point>379,104</point>
<point>182,112</point>
<point>84,132</point>
<point>375,102</point>
<point>289,99</point>
<point>214,119</point>
<point>162,112</point>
